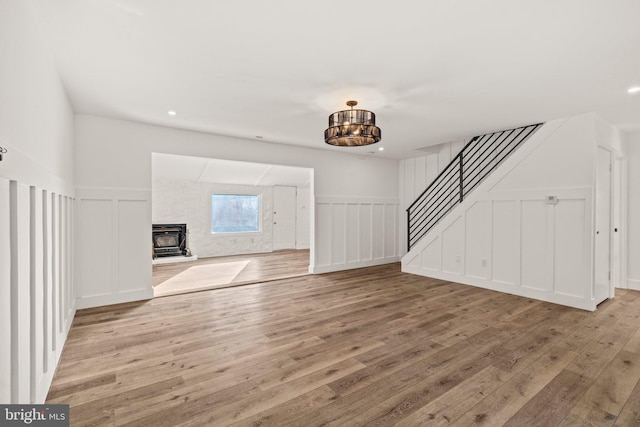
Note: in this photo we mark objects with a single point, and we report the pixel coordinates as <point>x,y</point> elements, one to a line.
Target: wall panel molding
<point>20,293</point>
<point>108,221</point>
<point>35,320</point>
<point>355,232</point>
<point>5,292</point>
<point>550,244</point>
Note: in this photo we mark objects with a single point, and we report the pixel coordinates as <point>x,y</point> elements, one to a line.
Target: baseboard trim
<point>633,284</point>
<point>352,265</point>
<point>555,298</point>
<point>100,300</point>
<point>44,384</point>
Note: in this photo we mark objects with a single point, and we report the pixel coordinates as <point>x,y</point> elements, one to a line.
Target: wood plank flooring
<point>227,271</point>
<point>366,347</point>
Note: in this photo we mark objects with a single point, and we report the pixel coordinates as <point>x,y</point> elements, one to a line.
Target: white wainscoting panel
<point>95,231</point>
<point>533,254</point>
<point>47,301</point>
<point>20,292</point>
<point>531,248</point>
<point>478,229</point>
<point>31,337</point>
<point>366,239</point>
<point>5,292</point>
<point>432,170</point>
<point>355,232</point>
<point>444,156</point>
<point>377,231</point>
<point>70,264</point>
<point>55,267</point>
<point>135,240</point>
<point>324,225</point>
<point>36,294</point>
<point>420,175</point>
<point>113,266</point>
<point>390,230</point>
<point>452,247</point>
<point>431,258</point>
<point>570,248</point>
<point>505,227</point>
<point>338,234</point>
<point>408,168</point>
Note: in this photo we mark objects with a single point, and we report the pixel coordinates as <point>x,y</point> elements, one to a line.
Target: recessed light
<point>171,113</point>
<point>380,148</point>
<point>634,89</point>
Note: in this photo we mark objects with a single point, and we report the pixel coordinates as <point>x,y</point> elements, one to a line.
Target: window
<point>235,213</point>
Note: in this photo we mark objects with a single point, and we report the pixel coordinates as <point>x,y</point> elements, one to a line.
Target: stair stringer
<point>429,257</point>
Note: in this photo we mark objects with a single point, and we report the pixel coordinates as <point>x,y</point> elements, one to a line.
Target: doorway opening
<point>246,222</point>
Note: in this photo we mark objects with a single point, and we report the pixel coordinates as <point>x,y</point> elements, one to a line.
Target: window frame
<point>227,233</point>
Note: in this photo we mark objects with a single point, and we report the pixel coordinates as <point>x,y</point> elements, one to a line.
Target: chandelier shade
<point>352,128</point>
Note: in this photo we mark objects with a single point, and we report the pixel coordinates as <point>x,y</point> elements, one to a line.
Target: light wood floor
<point>368,347</point>
<point>223,272</point>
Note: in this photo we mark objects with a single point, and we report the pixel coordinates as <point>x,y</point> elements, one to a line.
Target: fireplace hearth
<point>169,240</point>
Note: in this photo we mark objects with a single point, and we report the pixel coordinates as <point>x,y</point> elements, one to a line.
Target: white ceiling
<point>198,169</point>
<point>432,70</point>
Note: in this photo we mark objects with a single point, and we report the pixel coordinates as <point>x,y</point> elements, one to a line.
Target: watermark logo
<point>34,415</point>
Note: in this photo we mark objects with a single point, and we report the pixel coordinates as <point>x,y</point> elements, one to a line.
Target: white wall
<point>36,209</point>
<point>185,202</point>
<point>633,211</point>
<point>115,155</point>
<point>103,143</point>
<point>505,236</point>
<point>565,160</point>
<point>36,119</point>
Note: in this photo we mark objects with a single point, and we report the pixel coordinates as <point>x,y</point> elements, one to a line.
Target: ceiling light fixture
<point>634,89</point>
<point>352,128</point>
<point>171,113</point>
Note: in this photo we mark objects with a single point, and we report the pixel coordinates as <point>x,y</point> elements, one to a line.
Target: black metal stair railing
<point>474,162</point>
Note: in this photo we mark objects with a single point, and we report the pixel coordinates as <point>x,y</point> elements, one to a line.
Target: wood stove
<point>169,239</point>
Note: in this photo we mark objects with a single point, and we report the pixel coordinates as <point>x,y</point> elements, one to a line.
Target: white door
<point>603,226</point>
<point>303,218</point>
<point>284,218</point>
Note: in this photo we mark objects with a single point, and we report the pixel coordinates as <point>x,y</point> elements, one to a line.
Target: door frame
<point>610,152</point>
<point>619,218</point>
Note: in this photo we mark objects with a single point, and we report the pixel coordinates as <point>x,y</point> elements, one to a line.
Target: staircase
<point>466,171</point>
